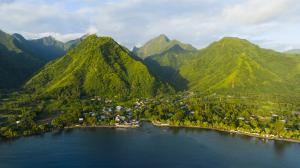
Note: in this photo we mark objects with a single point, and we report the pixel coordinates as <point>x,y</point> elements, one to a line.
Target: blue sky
<point>272,24</point>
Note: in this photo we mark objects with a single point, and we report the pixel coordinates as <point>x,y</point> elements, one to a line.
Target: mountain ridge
<point>83,70</point>
<point>158,45</point>
<point>233,65</point>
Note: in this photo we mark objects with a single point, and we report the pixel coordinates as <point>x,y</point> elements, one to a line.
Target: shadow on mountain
<point>167,74</point>
<point>16,67</point>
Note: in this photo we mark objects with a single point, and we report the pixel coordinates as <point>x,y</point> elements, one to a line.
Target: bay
<point>147,146</point>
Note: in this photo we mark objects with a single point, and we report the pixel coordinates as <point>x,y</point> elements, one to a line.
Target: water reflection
<point>57,133</point>
<point>68,131</point>
<point>280,146</point>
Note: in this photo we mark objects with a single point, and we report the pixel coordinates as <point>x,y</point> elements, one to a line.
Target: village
<point>111,115</point>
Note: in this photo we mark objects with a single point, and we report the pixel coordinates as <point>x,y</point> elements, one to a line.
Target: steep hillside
<point>158,45</point>
<point>47,47</point>
<point>236,65</point>
<point>166,65</point>
<point>21,58</point>
<point>16,65</point>
<point>73,43</point>
<point>97,66</point>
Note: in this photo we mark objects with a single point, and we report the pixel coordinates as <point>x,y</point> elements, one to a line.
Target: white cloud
<point>58,36</point>
<point>257,11</point>
<point>133,22</point>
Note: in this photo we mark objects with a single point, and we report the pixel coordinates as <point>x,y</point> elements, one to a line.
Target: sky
<point>272,24</point>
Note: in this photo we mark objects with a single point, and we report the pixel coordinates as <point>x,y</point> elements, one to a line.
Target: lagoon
<point>147,146</point>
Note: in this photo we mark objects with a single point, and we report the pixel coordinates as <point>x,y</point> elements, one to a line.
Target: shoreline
<point>101,126</point>
<point>229,131</point>
<point>156,124</point>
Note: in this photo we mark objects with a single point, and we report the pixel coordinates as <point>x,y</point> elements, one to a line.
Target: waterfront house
<point>117,119</point>
<point>122,118</point>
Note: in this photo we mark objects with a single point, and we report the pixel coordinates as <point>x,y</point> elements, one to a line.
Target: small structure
<point>80,120</point>
<point>241,118</point>
<point>122,118</point>
<point>18,122</point>
<point>117,119</point>
<point>283,121</point>
<point>119,108</point>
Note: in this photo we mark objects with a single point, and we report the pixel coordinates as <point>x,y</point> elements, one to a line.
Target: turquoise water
<point>147,146</point>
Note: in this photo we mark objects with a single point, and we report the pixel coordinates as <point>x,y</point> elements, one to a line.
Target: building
<point>119,108</point>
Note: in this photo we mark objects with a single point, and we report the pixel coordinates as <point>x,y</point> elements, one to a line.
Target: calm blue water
<point>146,147</point>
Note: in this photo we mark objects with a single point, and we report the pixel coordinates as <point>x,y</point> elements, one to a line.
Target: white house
<point>119,108</point>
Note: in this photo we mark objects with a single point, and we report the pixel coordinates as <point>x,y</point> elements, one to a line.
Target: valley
<point>232,85</point>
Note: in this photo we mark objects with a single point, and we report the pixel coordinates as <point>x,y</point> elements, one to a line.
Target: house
<point>275,117</point>
<point>241,118</point>
<point>93,114</point>
<point>119,108</point>
<point>122,118</point>
<point>18,122</point>
<point>80,120</point>
<point>107,109</point>
<point>117,119</point>
<point>108,101</point>
<point>283,121</point>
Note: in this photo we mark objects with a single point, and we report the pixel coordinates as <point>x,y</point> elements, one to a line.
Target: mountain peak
<point>97,66</point>
<point>162,37</point>
<point>19,37</point>
<point>233,43</point>
<point>49,38</point>
<point>159,45</point>
<point>97,41</point>
<point>233,39</point>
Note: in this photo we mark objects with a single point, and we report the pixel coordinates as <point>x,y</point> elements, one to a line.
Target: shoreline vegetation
<point>160,124</point>
<point>251,115</point>
<point>104,126</point>
<point>249,134</point>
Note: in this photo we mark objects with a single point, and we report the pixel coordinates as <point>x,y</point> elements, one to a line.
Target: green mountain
<point>158,45</point>
<point>21,58</point>
<point>96,66</point>
<point>166,65</point>
<point>16,65</point>
<point>73,43</point>
<point>47,47</point>
<point>233,65</point>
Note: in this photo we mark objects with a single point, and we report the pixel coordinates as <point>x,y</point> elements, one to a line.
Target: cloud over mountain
<point>132,22</point>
